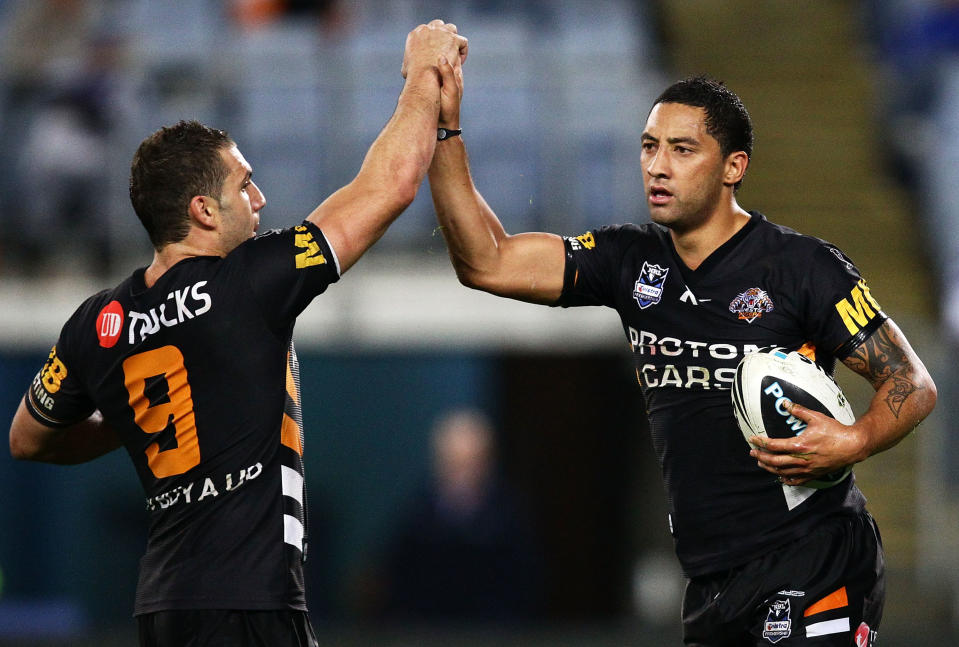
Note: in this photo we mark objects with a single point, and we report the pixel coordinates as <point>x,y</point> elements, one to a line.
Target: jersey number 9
<point>155,414</point>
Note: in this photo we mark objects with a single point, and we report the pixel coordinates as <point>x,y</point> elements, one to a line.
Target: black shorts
<point>827,588</point>
<point>226,628</point>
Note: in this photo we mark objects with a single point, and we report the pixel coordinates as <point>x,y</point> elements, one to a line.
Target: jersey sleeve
<point>592,268</point>
<point>56,397</point>
<point>841,311</point>
<point>287,268</point>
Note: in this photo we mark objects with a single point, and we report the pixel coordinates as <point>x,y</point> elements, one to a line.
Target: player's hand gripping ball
<point>768,380</point>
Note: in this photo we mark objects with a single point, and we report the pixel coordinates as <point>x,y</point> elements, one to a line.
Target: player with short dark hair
<point>768,560</point>
<point>189,364</point>
<point>170,167</point>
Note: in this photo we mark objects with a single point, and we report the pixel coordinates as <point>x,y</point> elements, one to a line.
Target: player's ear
<point>203,211</point>
<point>736,163</point>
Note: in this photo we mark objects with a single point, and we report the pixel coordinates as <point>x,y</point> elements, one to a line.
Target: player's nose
<point>657,165</point>
<point>258,200</point>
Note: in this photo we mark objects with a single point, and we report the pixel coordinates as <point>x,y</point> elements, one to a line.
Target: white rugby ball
<point>768,380</point>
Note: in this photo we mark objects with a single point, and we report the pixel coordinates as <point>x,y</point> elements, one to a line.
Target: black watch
<point>446,133</point>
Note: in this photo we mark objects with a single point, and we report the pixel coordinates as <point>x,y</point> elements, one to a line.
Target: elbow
<point>471,277</point>
<point>933,394</point>
<point>405,195</point>
<point>407,181</point>
<point>19,448</point>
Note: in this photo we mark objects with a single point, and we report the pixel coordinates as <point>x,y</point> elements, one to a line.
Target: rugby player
<point>189,364</point>
<point>767,560</point>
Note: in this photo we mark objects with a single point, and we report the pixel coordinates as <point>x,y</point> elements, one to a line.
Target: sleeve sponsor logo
<point>48,381</point>
<point>860,310</point>
<point>110,324</point>
<point>311,254</point>
<point>54,372</point>
<point>584,241</point>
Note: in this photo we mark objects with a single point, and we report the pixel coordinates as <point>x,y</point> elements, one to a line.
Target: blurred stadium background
<point>856,110</point>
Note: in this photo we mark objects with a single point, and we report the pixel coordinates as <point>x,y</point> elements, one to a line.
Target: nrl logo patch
<point>778,624</point>
<point>751,304</point>
<point>648,290</point>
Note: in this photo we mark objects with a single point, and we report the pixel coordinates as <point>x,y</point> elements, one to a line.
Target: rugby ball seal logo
<point>778,624</point>
<point>648,290</point>
<point>751,304</point>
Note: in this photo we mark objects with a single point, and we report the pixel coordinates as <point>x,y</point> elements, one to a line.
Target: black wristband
<point>446,133</point>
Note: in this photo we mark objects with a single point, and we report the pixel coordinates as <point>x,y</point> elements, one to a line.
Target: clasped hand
<point>825,446</point>
<point>428,46</point>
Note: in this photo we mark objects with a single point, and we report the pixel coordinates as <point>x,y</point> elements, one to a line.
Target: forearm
<point>527,266</point>
<point>78,443</point>
<point>472,231</point>
<point>397,161</point>
<point>905,392</point>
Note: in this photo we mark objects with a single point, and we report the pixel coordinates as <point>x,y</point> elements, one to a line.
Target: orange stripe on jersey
<point>809,350</point>
<point>291,389</point>
<point>290,434</point>
<point>835,600</point>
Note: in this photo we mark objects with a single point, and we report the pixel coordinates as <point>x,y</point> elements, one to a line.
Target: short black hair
<point>727,119</point>
<point>170,167</point>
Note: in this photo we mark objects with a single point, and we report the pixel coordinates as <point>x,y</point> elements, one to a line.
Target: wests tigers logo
<point>751,304</point>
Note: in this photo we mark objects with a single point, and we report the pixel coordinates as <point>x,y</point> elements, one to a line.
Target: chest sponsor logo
<point>110,324</point>
<point>664,362</point>
<point>648,290</point>
<point>778,624</point>
<point>751,304</point>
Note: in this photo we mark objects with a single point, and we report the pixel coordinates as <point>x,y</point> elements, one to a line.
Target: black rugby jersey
<point>688,329</point>
<point>198,376</point>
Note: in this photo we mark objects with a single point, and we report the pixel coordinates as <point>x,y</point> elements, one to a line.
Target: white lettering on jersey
<point>151,321</point>
<point>686,377</point>
<point>181,493</point>
<point>695,377</point>
<point>646,343</point>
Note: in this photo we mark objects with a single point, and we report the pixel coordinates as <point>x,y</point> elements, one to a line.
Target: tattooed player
<point>768,560</point>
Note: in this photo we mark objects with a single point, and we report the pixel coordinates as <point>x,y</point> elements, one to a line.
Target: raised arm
<point>905,395</point>
<point>529,266</point>
<point>355,216</point>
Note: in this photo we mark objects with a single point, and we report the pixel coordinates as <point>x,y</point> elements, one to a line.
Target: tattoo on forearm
<point>879,359</point>
<point>901,389</point>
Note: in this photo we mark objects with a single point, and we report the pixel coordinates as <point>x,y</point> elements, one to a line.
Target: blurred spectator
<point>257,13</point>
<point>463,551</point>
<point>59,81</point>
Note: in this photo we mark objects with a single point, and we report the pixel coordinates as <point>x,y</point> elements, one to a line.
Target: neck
<point>170,255</point>
<point>696,244</point>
